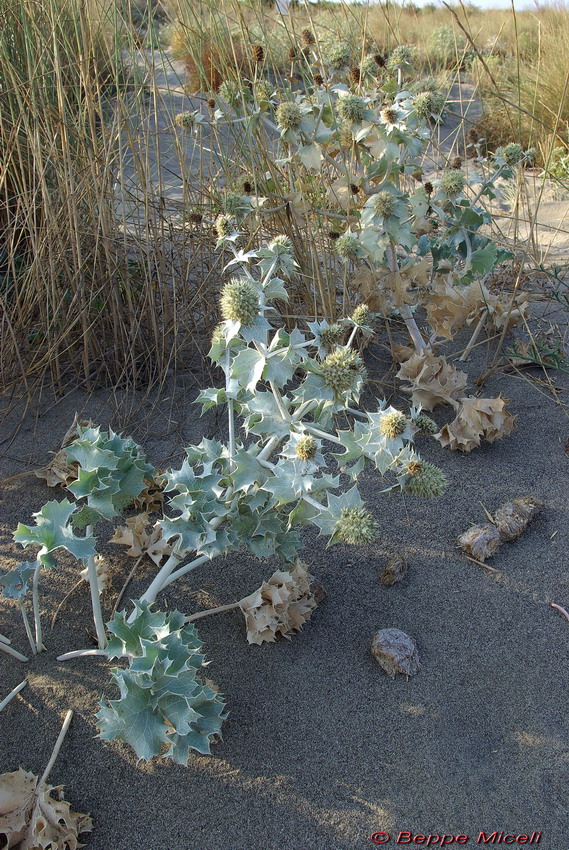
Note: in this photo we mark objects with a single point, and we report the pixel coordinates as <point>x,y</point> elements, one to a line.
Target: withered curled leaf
<point>32,819</point>
<point>432,380</point>
<point>60,470</point>
<point>280,606</point>
<point>140,541</point>
<point>477,419</point>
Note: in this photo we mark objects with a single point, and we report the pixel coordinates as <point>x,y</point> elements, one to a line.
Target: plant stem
<point>27,627</point>
<point>405,310</point>
<point>230,407</point>
<point>217,610</point>
<point>56,749</point>
<point>95,598</point>
<point>4,639</point>
<point>36,605</point>
<point>12,694</point>
<point>474,337</point>
<point>197,562</point>
<point>9,651</point>
<point>80,653</point>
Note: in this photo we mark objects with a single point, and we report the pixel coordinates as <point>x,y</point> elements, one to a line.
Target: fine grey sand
<point>321,748</point>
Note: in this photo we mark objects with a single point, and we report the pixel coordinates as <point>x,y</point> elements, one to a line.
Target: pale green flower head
<point>337,56</point>
<point>426,480</point>
<point>306,447</point>
<point>352,108</point>
<point>240,301</point>
<point>393,425</point>
<point>348,246</point>
<point>331,336</point>
<point>289,116</point>
<point>225,225</point>
<point>401,57</point>
<point>361,314</point>
<point>186,120</point>
<point>342,369</point>
<point>452,183</point>
<point>356,526</point>
<point>233,93</point>
<point>512,153</point>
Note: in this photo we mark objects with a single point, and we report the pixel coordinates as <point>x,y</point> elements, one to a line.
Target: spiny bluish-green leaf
<point>51,532</point>
<point>248,367</point>
<point>14,583</point>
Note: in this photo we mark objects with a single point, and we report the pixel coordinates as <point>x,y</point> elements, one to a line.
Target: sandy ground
<point>321,748</point>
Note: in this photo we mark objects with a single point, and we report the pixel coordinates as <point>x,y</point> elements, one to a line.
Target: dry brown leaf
<point>280,606</point>
<point>432,380</point>
<point>31,819</point>
<point>60,470</point>
<point>141,541</point>
<point>512,518</point>
<point>395,652</point>
<point>395,570</point>
<point>477,419</point>
<point>151,499</point>
<point>447,308</point>
<point>480,541</point>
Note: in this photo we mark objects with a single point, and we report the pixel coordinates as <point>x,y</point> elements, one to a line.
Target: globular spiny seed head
<point>281,244</point>
<point>247,187</point>
<point>389,114</point>
<point>345,136</point>
<point>400,57</point>
<point>186,120</point>
<point>195,217</point>
<point>289,116</point>
<point>361,314</point>
<point>211,102</point>
<point>293,54</point>
<point>337,56</point>
<point>355,526</point>
<point>453,183</point>
<point>232,93</point>
<point>457,162</point>
<point>379,60</point>
<point>428,187</point>
<point>383,204</point>
<point>512,153</point>
<point>393,425</point>
<point>426,424</point>
<point>331,336</point>
<point>232,205</point>
<point>354,188</point>
<point>430,481</point>
<point>369,66</point>
<point>355,76</point>
<point>263,90</point>
<point>258,53</point>
<point>414,467</point>
<point>308,38</point>
<point>423,104</point>
<point>224,225</point>
<point>417,175</point>
<point>318,80</point>
<point>240,301</point>
<point>348,246</point>
<point>473,136</point>
<point>341,368</point>
<point>333,235</point>
<point>306,447</point>
<point>351,108</point>
<point>218,335</point>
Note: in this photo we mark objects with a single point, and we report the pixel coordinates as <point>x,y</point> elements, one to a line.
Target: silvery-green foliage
<point>14,583</point>
<point>53,531</point>
<point>165,709</point>
<point>111,473</point>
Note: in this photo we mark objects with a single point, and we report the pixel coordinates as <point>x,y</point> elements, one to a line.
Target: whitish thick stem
<point>405,310</point>
<point>352,335</point>
<point>218,610</point>
<point>310,501</point>
<point>197,562</point>
<point>355,412</point>
<point>230,409</point>
<point>36,606</point>
<point>475,335</point>
<point>280,403</point>
<point>323,435</point>
<point>9,651</point>
<point>56,749</point>
<point>95,598</point>
<point>4,639</point>
<point>80,653</point>
<point>12,694</point>
<point>27,627</point>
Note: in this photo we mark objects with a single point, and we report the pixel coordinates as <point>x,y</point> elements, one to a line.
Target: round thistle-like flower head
<point>263,90</point>
<point>258,53</point>
<point>352,108</point>
<point>426,424</point>
<point>389,114</point>
<point>384,204</point>
<point>235,206</point>
<point>512,153</point>
<point>414,467</point>
<point>370,66</point>
<point>361,314</point>
<point>331,336</point>
<point>337,56</point>
<point>308,38</point>
<point>218,335</point>
<point>232,93</point>
<point>341,368</point>
<point>356,526</point>
<point>224,225</point>
<point>186,120</point>
<point>401,57</point>
<point>393,425</point>
<point>423,104</point>
<point>289,116</point>
<point>453,183</point>
<point>348,246</point>
<point>281,244</point>
<point>306,447</point>
<point>429,481</point>
<point>240,301</point>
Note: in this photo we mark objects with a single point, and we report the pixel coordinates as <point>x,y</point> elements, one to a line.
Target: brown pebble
<point>395,570</point>
<point>317,590</point>
<point>395,652</point>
